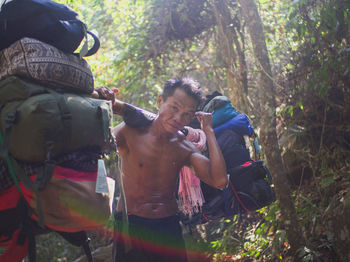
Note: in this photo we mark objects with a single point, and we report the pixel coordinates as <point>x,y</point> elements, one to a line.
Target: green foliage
<point>248,236</point>
<point>121,61</point>
<point>307,211</point>
<point>229,243</point>
<point>322,51</point>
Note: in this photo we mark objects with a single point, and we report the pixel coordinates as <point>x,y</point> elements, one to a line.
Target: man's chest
<point>148,152</point>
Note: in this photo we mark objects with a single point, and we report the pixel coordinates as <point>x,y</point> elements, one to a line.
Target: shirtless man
<point>151,159</point>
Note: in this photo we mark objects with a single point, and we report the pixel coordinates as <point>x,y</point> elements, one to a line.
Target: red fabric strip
<point>239,200</point>
<point>71,174</point>
<point>248,163</point>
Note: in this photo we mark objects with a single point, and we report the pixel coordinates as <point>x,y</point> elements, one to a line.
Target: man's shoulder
<point>119,128</point>
<point>127,130</point>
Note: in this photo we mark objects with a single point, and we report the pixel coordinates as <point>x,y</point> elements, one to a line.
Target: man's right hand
<point>105,92</point>
<point>205,119</point>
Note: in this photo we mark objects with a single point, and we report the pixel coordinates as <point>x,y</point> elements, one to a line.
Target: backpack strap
<point>237,197</point>
<point>84,49</point>
<point>10,119</point>
<point>78,239</point>
<point>66,118</point>
<point>27,228</point>
<point>103,116</point>
<point>96,45</point>
<point>44,174</point>
<point>31,186</point>
<point>42,179</point>
<point>9,164</point>
<point>87,250</point>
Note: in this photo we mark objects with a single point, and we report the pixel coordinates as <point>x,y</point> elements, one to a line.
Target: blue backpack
<point>249,187</point>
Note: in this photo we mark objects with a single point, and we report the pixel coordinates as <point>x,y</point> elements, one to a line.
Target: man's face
<point>176,111</point>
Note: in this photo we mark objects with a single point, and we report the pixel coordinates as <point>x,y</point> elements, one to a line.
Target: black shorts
<point>150,240</point>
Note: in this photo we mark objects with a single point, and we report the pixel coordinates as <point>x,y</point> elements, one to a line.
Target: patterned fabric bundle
<point>190,194</point>
<point>45,64</point>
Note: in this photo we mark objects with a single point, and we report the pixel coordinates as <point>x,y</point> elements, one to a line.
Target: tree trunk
<point>225,38</point>
<point>268,127</point>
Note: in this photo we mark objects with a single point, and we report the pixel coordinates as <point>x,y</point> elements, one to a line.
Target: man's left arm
<point>213,170</point>
<point>132,115</point>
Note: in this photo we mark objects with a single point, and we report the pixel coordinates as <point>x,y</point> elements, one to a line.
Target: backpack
<point>45,20</point>
<point>249,187</point>
<point>39,123</point>
<point>41,129</point>
<point>248,190</point>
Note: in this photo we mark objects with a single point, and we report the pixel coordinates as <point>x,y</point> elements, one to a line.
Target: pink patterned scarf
<point>190,194</point>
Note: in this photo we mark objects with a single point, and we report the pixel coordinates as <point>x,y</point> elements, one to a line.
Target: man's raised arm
<point>213,170</point>
<point>132,115</point>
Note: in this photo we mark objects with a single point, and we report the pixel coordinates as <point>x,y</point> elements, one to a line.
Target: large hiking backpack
<point>46,116</point>
<point>249,185</point>
<point>39,124</point>
<point>45,20</point>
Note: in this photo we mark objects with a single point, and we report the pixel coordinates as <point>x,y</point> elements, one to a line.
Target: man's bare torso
<point>150,167</point>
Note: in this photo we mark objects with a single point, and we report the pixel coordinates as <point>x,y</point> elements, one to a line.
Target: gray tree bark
<point>233,58</point>
<point>268,127</point>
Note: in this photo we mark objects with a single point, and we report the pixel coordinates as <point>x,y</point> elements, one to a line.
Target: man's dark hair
<point>188,84</point>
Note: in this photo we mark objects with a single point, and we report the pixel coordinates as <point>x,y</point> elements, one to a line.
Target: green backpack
<point>39,123</point>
